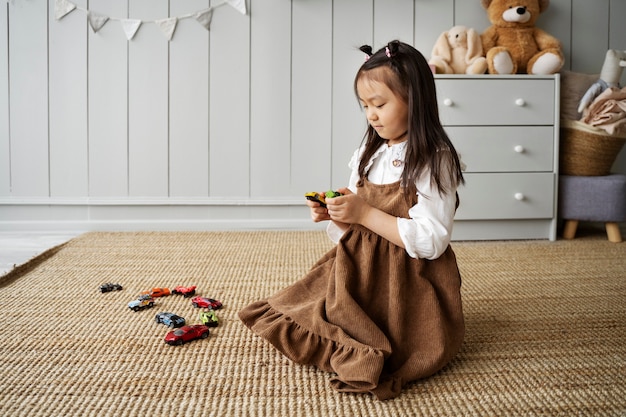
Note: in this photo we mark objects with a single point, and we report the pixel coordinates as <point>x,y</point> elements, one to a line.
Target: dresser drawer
<point>507,196</point>
<point>498,101</point>
<point>504,148</point>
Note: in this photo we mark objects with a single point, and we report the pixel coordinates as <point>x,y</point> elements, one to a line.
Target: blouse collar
<point>397,149</point>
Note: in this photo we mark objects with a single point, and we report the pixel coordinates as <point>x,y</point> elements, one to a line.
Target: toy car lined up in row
<point>109,286</point>
<point>185,291</point>
<point>144,301</point>
<point>186,334</point>
<point>158,292</point>
<point>182,332</point>
<point>170,319</point>
<point>203,302</point>
<point>208,317</point>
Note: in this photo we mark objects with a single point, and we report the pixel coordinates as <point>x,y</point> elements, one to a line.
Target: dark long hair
<point>405,71</point>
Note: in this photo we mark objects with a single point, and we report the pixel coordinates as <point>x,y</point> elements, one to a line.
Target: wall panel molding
<point>240,120</point>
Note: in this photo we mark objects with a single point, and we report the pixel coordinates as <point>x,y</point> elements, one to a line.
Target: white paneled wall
<point>224,128</point>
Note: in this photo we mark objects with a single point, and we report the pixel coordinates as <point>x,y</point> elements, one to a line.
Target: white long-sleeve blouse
<point>428,231</point>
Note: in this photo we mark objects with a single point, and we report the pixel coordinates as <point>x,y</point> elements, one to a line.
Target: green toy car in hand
<point>313,196</point>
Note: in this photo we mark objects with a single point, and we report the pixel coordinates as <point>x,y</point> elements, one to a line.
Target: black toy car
<point>110,287</point>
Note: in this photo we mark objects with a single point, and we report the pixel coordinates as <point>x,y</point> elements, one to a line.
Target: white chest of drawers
<point>506,130</point>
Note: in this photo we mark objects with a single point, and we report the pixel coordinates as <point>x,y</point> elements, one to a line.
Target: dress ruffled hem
<point>357,367</point>
<point>367,312</point>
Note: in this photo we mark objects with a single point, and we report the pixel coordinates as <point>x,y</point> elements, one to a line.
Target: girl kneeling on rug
<point>383,307</point>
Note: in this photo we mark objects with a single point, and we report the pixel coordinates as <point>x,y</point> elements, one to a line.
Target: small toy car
<point>144,301</point>
<point>208,317</point>
<point>187,334</point>
<point>203,302</point>
<point>170,319</point>
<point>185,291</point>
<point>158,292</point>
<point>313,196</point>
<point>110,287</point>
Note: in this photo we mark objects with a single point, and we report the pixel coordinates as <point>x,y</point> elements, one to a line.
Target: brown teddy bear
<point>513,45</point>
<point>458,51</point>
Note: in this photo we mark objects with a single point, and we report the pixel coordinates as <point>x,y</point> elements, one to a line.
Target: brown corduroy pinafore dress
<point>367,311</point>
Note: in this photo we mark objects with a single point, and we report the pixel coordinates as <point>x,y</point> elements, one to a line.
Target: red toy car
<point>203,302</point>
<point>185,291</point>
<point>187,334</point>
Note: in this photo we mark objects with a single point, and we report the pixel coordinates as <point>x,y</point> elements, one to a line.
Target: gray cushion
<point>596,198</point>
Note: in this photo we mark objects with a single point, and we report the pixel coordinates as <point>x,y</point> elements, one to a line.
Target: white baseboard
<point>144,214</point>
<point>198,215</point>
<point>161,225</point>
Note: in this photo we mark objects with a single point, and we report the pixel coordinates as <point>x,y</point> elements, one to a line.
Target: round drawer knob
<point>520,102</point>
<point>448,102</point>
<point>519,149</point>
<point>519,196</point>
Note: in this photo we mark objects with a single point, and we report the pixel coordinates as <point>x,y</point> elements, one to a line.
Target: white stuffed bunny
<point>614,63</point>
<point>458,51</point>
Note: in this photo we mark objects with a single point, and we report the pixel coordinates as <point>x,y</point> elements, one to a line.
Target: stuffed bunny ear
<point>442,48</point>
<point>474,45</point>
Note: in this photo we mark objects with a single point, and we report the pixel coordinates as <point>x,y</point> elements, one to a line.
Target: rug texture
<point>546,331</point>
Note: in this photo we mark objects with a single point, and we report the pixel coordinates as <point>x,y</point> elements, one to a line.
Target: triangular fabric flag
<point>96,21</point>
<point>167,26</point>
<point>204,17</point>
<point>62,7</point>
<point>130,27</point>
<point>239,5</point>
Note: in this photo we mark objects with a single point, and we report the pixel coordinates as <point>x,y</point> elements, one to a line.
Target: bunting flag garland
<point>204,17</point>
<point>239,5</point>
<point>130,26</point>
<point>96,21</point>
<point>63,7</point>
<point>168,26</point>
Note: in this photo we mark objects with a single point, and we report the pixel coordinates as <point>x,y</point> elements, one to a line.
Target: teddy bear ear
<point>485,3</point>
<point>442,47</point>
<point>543,5</point>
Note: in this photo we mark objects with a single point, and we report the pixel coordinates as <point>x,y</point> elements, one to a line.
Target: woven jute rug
<point>546,331</point>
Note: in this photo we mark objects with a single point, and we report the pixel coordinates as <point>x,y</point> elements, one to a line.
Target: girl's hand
<point>349,208</point>
<point>318,213</point>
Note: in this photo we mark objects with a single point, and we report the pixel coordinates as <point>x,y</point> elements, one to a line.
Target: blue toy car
<point>170,319</point>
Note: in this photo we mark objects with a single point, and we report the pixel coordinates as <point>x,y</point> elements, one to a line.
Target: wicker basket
<point>587,150</point>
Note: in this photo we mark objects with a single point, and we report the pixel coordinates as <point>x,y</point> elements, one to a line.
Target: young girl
<point>383,307</point>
